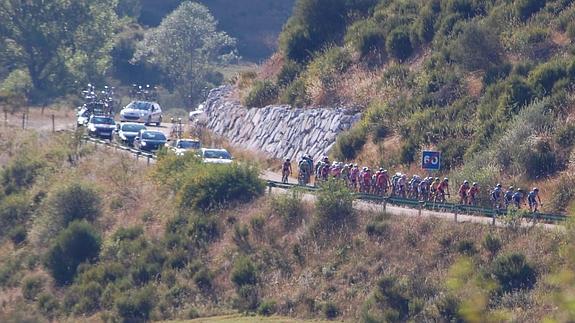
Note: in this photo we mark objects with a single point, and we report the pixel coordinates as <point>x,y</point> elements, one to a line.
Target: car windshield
<point>188,144</point>
<point>102,120</point>
<point>139,105</point>
<point>132,127</point>
<point>153,135</point>
<point>221,154</point>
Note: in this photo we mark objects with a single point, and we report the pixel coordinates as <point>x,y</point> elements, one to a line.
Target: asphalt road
<point>43,122</point>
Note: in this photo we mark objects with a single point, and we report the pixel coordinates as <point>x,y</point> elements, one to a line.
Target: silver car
<point>215,156</point>
<point>142,111</point>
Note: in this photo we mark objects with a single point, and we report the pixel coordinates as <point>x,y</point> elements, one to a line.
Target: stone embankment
<point>278,130</point>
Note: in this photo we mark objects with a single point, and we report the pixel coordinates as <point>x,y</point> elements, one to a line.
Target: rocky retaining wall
<point>279,131</point>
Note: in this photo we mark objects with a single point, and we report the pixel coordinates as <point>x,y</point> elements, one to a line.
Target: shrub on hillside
<point>14,211</point>
<point>349,144</point>
<point>244,272</point>
<point>267,308</point>
<point>75,201</point>
<point>31,287</point>
<point>334,205</point>
<point>20,174</point>
<point>541,160</point>
<point>563,194</point>
<point>526,8</point>
<point>513,272</point>
<point>295,94</point>
<point>398,44</point>
<point>544,77</point>
<point>288,206</point>
<point>76,244</point>
<point>262,93</point>
<point>296,42</point>
<point>366,37</point>
<point>477,48</point>
<point>213,186</point>
<point>492,244</point>
<point>136,306</point>
<point>424,26</point>
<point>289,72</point>
<point>389,302</point>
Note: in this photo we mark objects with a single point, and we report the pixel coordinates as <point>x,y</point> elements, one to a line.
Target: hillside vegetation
<point>90,234</point>
<point>488,83</point>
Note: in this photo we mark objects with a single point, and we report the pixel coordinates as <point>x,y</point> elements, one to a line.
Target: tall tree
<point>58,41</point>
<point>187,46</point>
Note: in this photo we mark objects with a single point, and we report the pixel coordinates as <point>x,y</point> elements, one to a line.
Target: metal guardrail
<point>431,206</point>
<point>404,202</point>
<point>137,153</point>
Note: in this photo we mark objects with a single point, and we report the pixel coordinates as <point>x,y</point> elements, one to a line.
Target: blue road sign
<point>431,160</point>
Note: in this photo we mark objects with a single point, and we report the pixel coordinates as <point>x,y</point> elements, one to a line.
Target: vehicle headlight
<point>92,127</point>
<point>142,114</point>
<point>143,143</point>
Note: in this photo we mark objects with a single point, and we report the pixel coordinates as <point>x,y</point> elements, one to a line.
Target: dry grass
<point>343,267</point>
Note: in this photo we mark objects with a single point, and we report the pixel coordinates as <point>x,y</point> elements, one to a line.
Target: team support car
<point>101,127</point>
<point>215,156</point>
<point>142,111</point>
<point>149,140</point>
<point>127,132</point>
<point>181,146</point>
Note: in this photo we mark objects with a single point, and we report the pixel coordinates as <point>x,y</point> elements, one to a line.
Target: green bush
<point>398,44</point>
<point>289,206</point>
<point>203,230</point>
<point>365,37</point>
<point>262,93</point>
<point>136,306</point>
<point>296,42</point>
<point>20,174</point>
<point>350,143</point>
<point>244,272</point>
<point>563,194</point>
<point>334,205</point>
<point>14,212</point>
<point>76,244</point>
<point>75,201</point>
<point>31,287</point>
<point>377,229</point>
<point>541,161</point>
<point>492,244</point>
<point>203,279</point>
<point>388,302</point>
<point>330,310</point>
<point>513,272</point>
<point>267,308</point>
<point>17,235</point>
<point>544,77</point>
<point>295,94</point>
<point>214,186</point>
<point>289,72</point>
<point>89,298</point>
<point>48,305</point>
<point>466,247</point>
<point>526,8</point>
<point>477,48</point>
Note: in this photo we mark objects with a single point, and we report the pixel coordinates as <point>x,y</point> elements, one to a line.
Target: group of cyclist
<point>381,182</point>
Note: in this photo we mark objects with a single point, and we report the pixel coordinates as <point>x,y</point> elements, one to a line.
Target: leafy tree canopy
<point>58,42</point>
<point>187,46</point>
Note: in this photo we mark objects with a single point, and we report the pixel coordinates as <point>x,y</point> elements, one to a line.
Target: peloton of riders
<point>380,182</point>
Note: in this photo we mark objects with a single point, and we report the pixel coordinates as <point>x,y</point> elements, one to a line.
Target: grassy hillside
<point>488,83</point>
<point>255,23</point>
<point>181,240</point>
